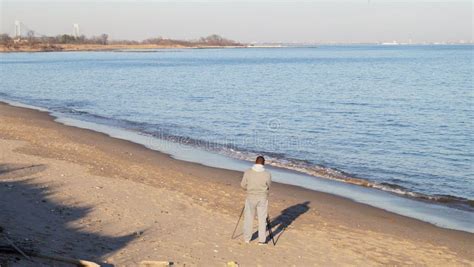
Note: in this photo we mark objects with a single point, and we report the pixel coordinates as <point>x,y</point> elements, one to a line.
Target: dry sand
<point>77,193</point>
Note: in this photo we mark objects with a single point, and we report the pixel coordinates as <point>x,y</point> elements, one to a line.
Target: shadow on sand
<point>284,219</point>
<point>34,222</point>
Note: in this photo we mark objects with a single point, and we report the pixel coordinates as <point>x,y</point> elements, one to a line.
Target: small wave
<point>302,166</point>
<point>338,175</point>
<point>279,160</point>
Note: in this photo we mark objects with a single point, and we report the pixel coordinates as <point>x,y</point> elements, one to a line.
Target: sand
<point>77,193</point>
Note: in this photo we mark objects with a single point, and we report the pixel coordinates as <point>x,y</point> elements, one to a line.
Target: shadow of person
<point>38,223</point>
<point>285,219</point>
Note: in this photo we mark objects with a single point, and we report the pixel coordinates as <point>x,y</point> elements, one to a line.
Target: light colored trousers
<point>261,205</point>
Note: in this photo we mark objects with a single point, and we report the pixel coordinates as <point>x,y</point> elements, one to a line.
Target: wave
<point>279,160</point>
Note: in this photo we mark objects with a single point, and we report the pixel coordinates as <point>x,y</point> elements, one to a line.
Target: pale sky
<point>349,21</point>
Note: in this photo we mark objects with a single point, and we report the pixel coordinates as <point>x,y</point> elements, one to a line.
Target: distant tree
<point>103,38</point>
<point>65,39</point>
<point>48,42</point>
<point>30,36</point>
<point>155,41</point>
<point>81,39</point>
<point>123,42</point>
<point>167,42</point>
<point>216,40</point>
<point>5,39</point>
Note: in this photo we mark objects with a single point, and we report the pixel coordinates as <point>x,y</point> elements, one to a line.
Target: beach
<point>78,193</point>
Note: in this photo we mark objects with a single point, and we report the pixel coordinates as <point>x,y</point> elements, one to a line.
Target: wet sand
<point>78,193</point>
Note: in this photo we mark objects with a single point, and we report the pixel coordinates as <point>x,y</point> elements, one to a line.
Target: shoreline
<point>329,210</point>
<point>44,48</point>
<point>216,189</point>
<point>439,214</point>
<point>382,179</point>
<point>115,47</point>
<point>97,48</point>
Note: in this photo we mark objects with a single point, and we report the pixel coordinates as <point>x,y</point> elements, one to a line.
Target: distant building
<point>75,32</point>
<point>17,30</point>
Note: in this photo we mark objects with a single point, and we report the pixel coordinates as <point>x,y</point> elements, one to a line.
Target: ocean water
<point>396,118</point>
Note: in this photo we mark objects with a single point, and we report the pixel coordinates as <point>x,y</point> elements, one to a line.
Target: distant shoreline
<point>114,47</point>
<point>137,47</point>
<point>95,47</point>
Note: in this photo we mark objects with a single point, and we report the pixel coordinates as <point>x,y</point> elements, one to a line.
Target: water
<point>398,118</point>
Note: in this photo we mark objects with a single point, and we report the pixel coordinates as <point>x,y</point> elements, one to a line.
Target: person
<point>256,181</point>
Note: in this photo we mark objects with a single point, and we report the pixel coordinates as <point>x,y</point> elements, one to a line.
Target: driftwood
<point>8,250</point>
<point>14,249</point>
<point>156,264</point>
<point>77,262</point>
<point>13,245</point>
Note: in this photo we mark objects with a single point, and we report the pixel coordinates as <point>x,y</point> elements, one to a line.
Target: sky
<point>307,21</point>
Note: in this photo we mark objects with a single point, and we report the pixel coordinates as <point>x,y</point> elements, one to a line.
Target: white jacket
<point>256,181</point>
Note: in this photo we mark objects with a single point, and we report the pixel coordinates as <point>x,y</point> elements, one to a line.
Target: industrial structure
<point>17,29</point>
<point>21,30</point>
<point>75,31</point>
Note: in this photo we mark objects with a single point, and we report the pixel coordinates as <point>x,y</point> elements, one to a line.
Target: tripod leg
<point>242,212</point>
<point>269,227</point>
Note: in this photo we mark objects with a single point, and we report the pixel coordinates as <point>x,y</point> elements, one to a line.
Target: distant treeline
<point>103,39</point>
<point>211,40</point>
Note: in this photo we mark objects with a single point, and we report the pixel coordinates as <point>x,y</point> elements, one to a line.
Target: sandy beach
<point>76,193</point>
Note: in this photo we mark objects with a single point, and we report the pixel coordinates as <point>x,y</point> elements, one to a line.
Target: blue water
<point>398,118</point>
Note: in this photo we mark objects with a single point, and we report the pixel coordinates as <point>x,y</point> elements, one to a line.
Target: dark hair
<point>260,160</point>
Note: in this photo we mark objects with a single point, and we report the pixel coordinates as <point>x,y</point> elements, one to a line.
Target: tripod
<point>269,226</point>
